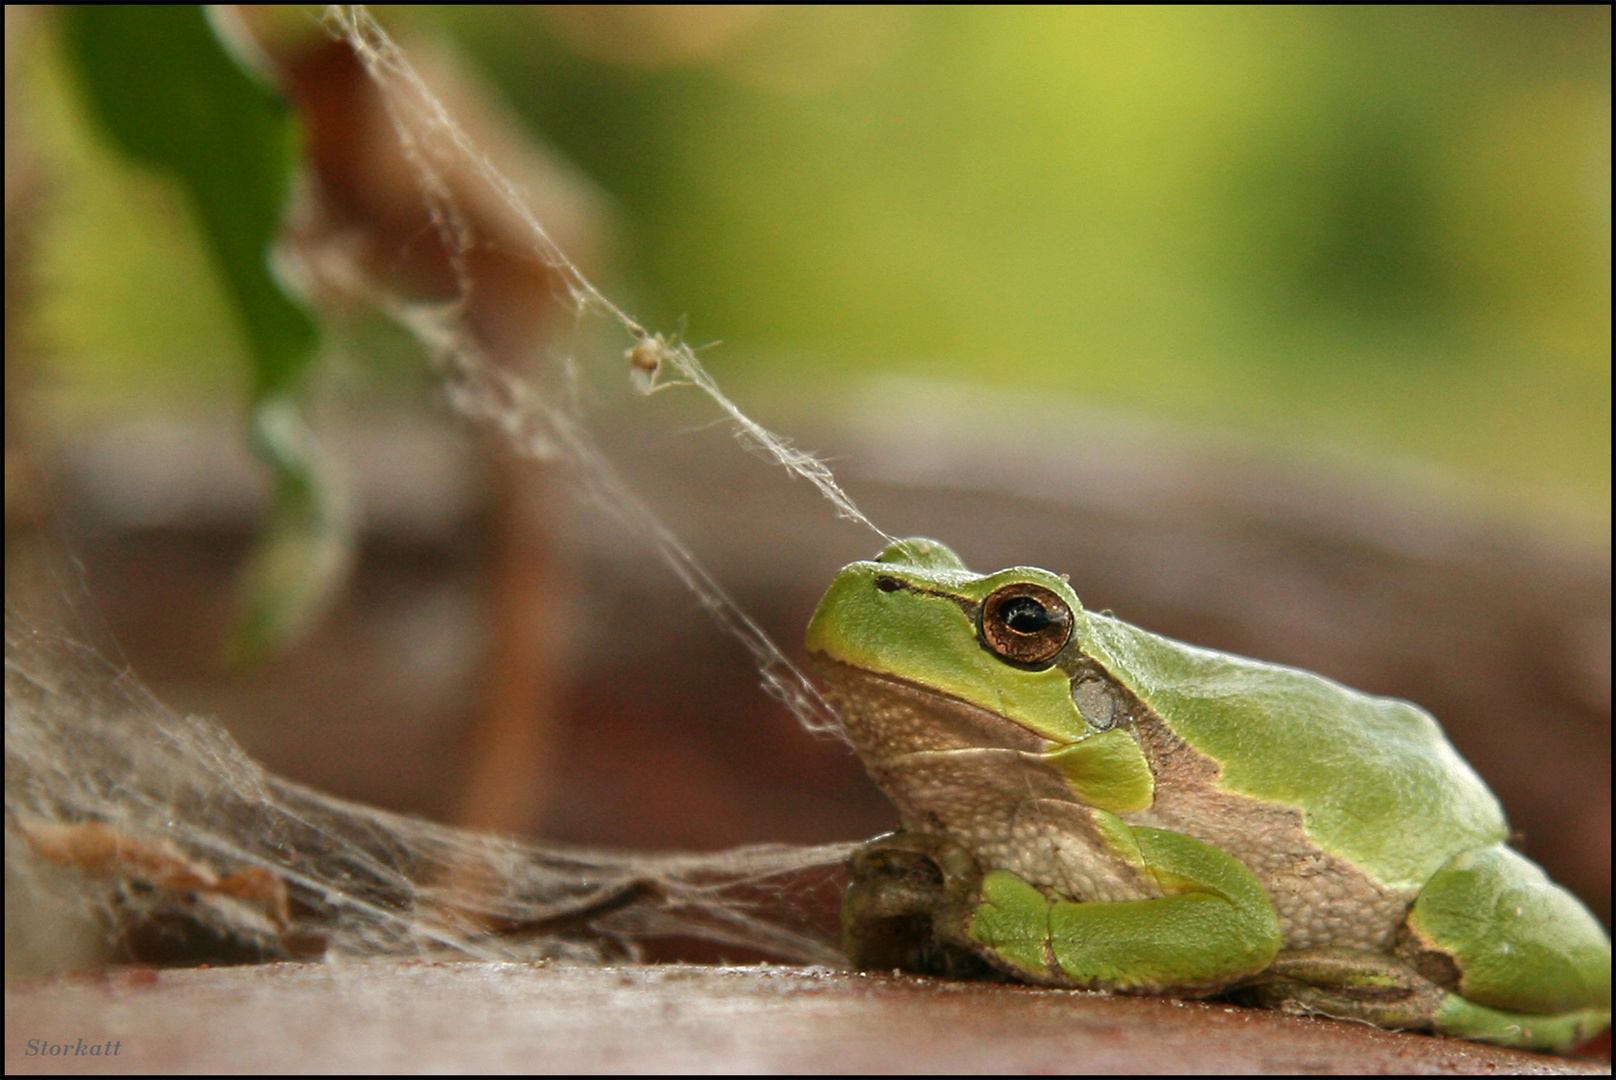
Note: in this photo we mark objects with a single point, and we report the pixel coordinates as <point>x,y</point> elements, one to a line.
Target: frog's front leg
<point>1215,926</point>
<point>897,885</point>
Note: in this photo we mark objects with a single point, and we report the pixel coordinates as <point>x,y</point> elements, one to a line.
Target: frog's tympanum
<point>1087,804</point>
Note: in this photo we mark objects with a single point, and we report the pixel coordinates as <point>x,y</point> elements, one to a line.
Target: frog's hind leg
<point>1525,962</point>
<point>1492,950</point>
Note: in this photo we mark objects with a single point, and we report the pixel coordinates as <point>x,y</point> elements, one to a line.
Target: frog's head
<point>924,656</point>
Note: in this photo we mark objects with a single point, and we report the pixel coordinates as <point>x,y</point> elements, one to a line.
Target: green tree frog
<point>1087,804</point>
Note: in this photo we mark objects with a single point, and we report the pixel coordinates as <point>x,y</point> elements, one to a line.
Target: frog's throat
<point>886,716</point>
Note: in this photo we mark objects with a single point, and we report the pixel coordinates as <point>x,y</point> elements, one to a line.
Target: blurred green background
<point>1382,231</point>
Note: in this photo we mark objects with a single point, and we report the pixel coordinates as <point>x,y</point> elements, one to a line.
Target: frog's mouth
<point>886,716</point>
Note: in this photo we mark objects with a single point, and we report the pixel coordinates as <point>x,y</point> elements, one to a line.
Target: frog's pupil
<point>1025,615</point>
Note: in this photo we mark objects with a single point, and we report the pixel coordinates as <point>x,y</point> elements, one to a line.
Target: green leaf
<point>305,552</point>
<point>168,93</point>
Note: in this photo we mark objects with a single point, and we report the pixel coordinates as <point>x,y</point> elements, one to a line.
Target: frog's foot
<point>1349,985</point>
<point>897,885</point>
<point>1383,990</point>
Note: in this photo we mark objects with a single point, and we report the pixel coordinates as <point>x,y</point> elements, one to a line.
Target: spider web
<point>120,806</point>
<point>541,425</point>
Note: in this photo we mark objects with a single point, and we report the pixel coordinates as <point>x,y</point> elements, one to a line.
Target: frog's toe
<point>1561,1032</point>
<point>899,886</point>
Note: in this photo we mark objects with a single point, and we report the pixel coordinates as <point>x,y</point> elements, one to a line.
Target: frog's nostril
<point>888,584</point>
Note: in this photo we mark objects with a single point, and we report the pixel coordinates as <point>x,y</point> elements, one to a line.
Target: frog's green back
<point>1377,780</point>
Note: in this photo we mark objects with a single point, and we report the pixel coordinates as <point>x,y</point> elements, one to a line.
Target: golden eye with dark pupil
<point>1026,624</point>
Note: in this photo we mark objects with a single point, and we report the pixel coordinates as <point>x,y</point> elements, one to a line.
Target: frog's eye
<point>1026,624</point>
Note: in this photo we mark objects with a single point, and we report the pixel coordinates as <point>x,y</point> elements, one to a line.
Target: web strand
<point>532,424</point>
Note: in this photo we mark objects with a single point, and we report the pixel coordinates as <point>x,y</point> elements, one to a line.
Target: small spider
<point>646,360</point>
<point>647,354</point>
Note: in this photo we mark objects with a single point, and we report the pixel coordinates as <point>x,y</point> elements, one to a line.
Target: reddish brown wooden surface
<point>426,1017</point>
